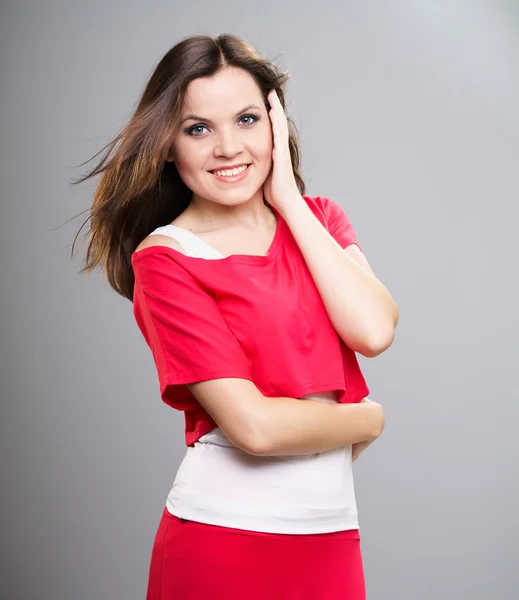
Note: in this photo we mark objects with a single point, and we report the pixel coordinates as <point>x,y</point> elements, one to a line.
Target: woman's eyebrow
<point>197,118</point>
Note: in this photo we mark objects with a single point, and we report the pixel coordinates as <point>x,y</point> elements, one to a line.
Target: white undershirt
<point>220,484</point>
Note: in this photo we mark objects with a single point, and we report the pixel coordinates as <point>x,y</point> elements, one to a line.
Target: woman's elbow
<point>379,343</point>
<point>251,437</point>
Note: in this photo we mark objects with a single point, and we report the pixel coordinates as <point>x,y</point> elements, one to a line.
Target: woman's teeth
<point>232,172</point>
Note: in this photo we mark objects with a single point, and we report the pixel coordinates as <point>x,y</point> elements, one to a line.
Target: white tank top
<point>220,484</point>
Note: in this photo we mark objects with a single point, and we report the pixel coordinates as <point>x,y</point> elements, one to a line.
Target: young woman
<point>253,298</point>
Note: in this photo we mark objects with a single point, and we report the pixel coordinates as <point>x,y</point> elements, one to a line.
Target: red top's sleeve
<point>183,325</point>
<point>338,224</point>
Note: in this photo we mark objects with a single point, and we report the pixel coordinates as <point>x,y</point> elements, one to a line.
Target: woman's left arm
<point>360,308</point>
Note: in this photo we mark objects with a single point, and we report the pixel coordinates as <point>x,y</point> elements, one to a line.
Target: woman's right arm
<point>266,426</point>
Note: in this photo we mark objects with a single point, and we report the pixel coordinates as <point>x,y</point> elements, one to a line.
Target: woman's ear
<point>169,156</point>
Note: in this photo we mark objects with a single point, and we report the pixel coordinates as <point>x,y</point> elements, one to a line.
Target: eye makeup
<point>190,130</point>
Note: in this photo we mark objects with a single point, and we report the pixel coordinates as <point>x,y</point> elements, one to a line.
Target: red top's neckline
<point>232,258</point>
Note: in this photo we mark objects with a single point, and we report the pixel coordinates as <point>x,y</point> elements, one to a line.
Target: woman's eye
<point>252,118</point>
<point>196,128</point>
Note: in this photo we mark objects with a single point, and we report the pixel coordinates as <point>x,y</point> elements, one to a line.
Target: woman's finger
<point>278,108</point>
<point>279,119</point>
<point>275,128</point>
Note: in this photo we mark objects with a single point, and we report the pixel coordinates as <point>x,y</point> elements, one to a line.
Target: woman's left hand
<point>280,186</point>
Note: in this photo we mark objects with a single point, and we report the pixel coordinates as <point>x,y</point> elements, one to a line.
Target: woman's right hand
<point>379,416</point>
<point>359,447</point>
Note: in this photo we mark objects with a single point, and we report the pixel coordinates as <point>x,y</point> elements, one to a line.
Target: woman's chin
<point>236,197</point>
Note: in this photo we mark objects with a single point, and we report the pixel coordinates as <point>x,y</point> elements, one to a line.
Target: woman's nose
<point>228,144</point>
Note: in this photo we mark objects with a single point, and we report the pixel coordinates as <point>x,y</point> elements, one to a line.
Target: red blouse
<point>254,317</point>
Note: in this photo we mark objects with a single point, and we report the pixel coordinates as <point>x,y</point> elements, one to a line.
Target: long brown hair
<point>138,189</point>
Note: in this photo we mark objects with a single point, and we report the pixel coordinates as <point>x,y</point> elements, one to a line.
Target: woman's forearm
<point>293,427</point>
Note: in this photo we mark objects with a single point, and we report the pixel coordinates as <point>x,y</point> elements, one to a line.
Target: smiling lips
<point>232,175</point>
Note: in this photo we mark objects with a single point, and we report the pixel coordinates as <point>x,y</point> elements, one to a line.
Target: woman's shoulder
<point>320,203</point>
<point>158,240</point>
<point>160,237</point>
<point>320,206</point>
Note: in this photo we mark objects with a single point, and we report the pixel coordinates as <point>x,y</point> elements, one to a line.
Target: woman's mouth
<point>231,175</point>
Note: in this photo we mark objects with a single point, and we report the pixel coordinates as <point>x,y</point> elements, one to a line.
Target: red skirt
<point>191,561</point>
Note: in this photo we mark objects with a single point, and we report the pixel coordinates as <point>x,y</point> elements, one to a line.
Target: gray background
<point>408,113</point>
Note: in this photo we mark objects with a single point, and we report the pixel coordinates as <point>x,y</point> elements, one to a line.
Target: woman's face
<point>224,124</point>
